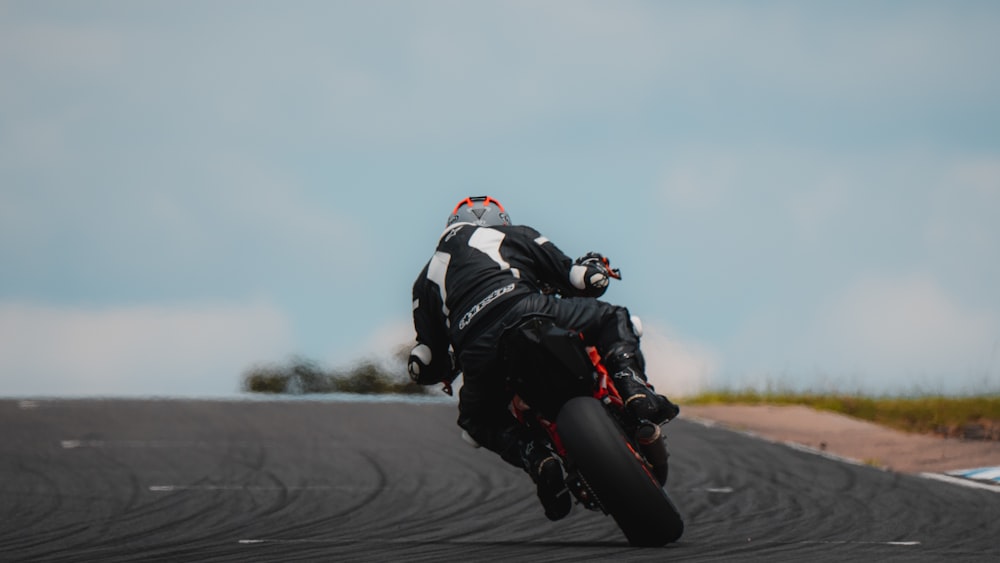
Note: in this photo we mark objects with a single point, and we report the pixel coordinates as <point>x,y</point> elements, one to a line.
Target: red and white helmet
<point>480,210</point>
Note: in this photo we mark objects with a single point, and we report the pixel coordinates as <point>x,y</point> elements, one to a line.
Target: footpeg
<point>647,433</point>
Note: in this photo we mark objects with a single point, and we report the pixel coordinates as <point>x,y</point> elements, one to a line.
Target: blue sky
<point>797,193</point>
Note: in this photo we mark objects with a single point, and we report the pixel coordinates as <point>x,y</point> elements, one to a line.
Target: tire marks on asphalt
<point>285,480</point>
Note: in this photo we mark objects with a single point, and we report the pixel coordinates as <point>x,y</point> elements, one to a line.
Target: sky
<point>798,194</point>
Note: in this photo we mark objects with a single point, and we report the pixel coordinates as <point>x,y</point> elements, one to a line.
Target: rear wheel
<point>626,489</point>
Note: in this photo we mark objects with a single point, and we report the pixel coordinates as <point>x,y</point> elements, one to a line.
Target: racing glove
<point>591,274</point>
<point>424,371</point>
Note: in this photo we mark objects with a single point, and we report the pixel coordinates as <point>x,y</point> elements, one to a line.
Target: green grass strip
<point>925,414</point>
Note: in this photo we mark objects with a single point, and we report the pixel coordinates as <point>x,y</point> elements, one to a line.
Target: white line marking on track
<point>894,543</point>
<point>172,488</point>
<point>307,540</point>
<point>714,489</point>
<point>853,542</point>
<point>979,474</point>
<point>71,444</point>
<point>960,481</point>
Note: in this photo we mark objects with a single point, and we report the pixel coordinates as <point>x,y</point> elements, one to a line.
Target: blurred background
<point>797,194</point>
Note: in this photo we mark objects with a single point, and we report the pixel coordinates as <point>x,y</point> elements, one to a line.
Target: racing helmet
<point>479,210</point>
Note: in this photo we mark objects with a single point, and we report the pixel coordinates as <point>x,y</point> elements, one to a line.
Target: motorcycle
<point>614,464</point>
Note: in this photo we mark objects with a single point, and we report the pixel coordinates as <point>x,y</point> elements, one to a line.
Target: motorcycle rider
<point>485,275</point>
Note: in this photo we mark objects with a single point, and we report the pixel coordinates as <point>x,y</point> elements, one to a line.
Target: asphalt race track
<point>193,480</point>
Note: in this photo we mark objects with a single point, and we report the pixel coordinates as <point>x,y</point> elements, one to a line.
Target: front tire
<point>597,447</point>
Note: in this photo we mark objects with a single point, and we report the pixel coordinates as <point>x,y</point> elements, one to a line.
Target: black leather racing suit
<point>483,279</point>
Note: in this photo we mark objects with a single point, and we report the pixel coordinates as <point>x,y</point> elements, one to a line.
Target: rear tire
<point>597,447</point>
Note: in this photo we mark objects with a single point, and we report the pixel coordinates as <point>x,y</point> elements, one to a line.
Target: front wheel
<point>597,447</point>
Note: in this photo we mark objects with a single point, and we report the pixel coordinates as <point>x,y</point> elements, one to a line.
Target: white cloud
<point>138,350</point>
<point>878,334</point>
<point>675,366</point>
<point>908,331</point>
<point>381,346</point>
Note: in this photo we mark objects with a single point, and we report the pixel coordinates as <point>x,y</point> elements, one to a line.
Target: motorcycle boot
<point>546,471</point>
<point>641,400</point>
